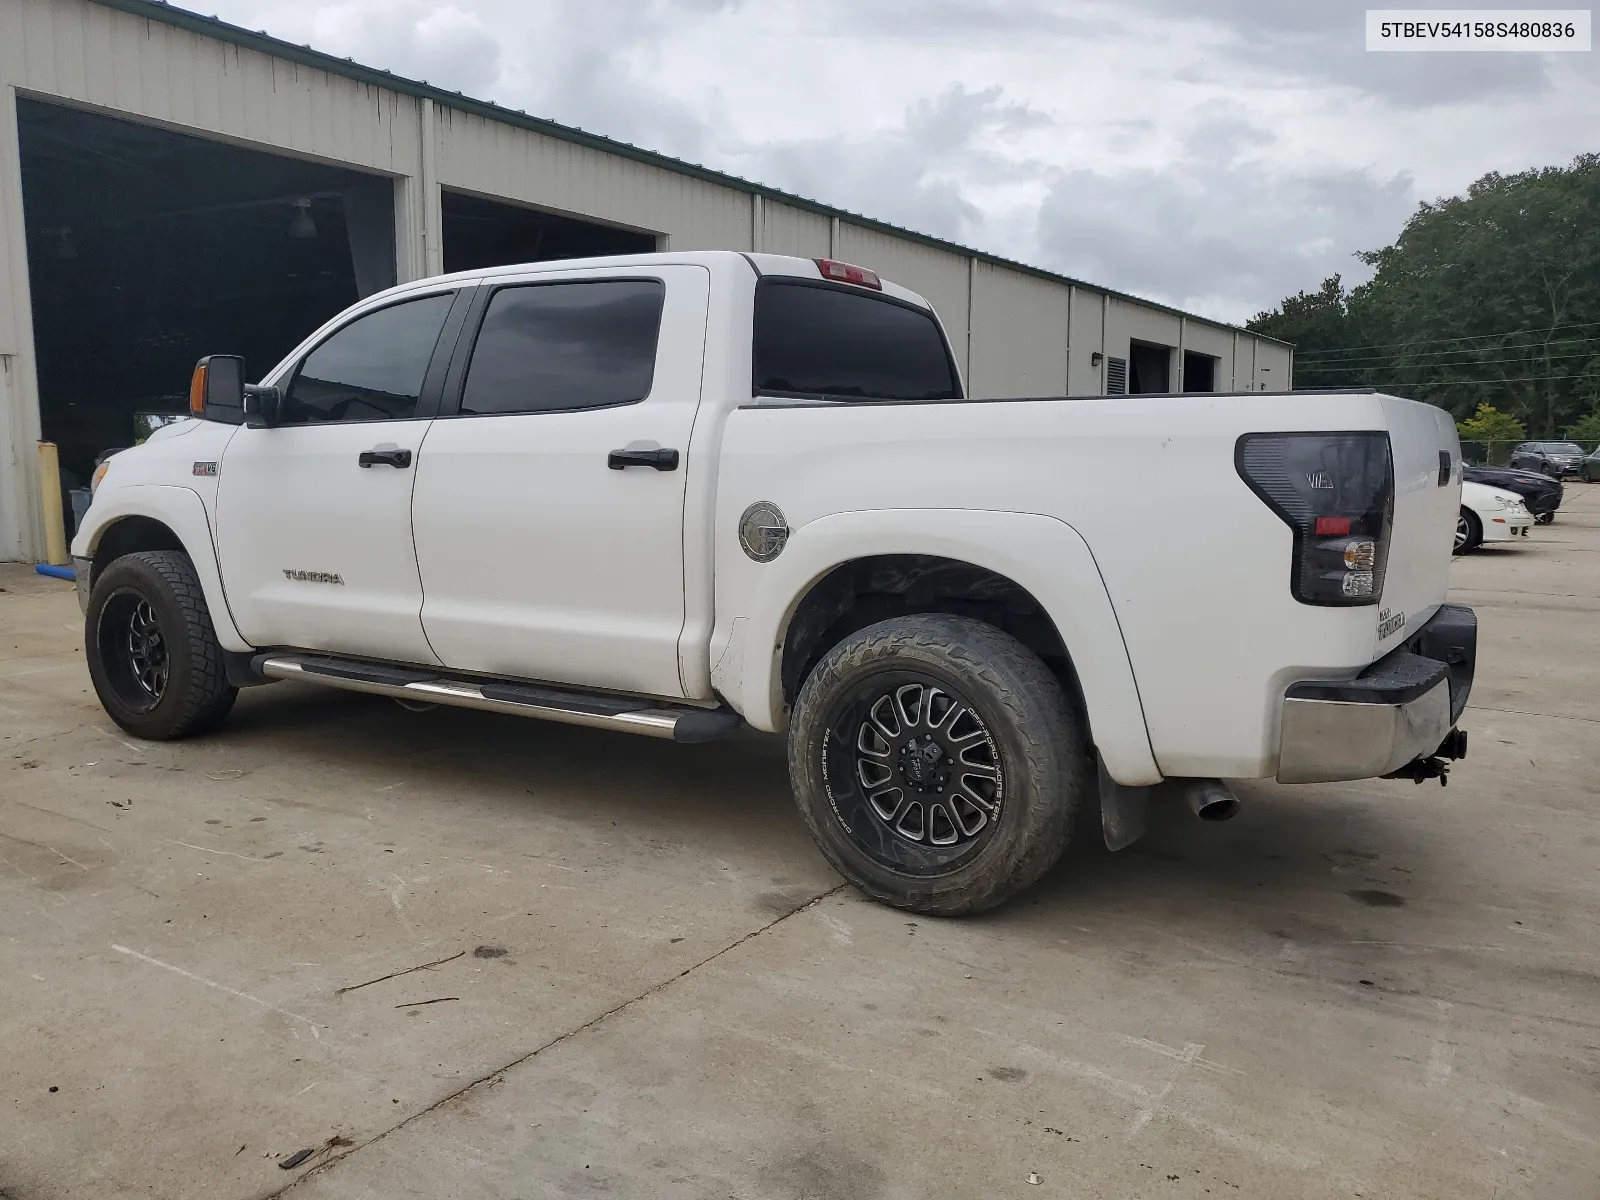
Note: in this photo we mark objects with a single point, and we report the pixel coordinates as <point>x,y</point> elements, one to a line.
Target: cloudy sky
<point>1214,154</point>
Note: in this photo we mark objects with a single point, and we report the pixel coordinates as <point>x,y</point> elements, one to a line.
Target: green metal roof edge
<point>215,27</point>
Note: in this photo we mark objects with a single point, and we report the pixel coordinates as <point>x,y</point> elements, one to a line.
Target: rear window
<point>827,341</point>
<point>553,346</point>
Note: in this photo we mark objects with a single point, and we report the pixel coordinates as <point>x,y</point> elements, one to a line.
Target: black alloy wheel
<point>133,650</point>
<point>913,772</point>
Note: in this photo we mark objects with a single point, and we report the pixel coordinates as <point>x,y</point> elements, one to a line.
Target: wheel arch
<point>878,587</point>
<point>1030,575</point>
<point>158,517</point>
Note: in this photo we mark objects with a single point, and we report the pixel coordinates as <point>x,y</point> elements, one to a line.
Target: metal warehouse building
<point>171,186</point>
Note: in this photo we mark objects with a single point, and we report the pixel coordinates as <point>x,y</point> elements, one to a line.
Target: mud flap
<point>1124,811</point>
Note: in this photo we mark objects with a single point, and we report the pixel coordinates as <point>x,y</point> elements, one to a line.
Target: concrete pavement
<point>646,983</point>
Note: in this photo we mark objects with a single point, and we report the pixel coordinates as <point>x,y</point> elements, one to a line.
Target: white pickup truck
<point>677,494</point>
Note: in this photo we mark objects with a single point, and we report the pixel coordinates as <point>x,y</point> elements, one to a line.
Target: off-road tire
<point>196,695</point>
<point>1041,744</point>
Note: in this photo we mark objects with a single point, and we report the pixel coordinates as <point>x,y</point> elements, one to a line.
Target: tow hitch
<point>1437,764</point>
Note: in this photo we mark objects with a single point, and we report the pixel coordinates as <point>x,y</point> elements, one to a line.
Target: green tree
<point>1587,431</point>
<point>1495,432</point>
<point>1320,326</point>
<point>1492,297</point>
<point>1488,424</point>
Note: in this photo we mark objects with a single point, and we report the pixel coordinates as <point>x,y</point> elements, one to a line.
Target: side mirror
<point>216,392</point>
<point>263,406</point>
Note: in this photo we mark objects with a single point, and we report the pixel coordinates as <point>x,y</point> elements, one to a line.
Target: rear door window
<point>559,346</point>
<point>815,340</point>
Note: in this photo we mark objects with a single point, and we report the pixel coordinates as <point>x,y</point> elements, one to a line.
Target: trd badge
<point>762,531</point>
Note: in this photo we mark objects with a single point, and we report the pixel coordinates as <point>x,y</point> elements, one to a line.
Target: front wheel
<point>1469,531</point>
<point>1544,518</point>
<point>937,763</point>
<point>153,655</point>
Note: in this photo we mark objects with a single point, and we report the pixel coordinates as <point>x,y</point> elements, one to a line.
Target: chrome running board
<point>648,717</point>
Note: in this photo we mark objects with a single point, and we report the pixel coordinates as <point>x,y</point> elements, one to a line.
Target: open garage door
<point>489,233</point>
<point>148,248</point>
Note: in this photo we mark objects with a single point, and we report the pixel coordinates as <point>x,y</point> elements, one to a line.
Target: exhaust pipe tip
<point>1211,800</point>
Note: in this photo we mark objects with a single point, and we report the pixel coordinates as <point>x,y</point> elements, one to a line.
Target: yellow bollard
<point>55,529</point>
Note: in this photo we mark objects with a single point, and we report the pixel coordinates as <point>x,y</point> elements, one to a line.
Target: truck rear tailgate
<point>1427,495</point>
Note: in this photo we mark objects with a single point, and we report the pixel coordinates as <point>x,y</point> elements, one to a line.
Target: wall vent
<point>1116,376</point>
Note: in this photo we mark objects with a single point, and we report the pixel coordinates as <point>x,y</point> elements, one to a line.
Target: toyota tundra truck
<point>682,494</point>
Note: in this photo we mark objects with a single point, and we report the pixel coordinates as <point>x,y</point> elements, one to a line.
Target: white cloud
<point>1217,154</point>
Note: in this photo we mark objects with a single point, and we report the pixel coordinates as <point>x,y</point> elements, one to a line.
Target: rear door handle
<point>385,456</point>
<point>661,460</point>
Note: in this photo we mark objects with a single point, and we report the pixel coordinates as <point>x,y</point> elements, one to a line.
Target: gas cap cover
<point>763,532</point>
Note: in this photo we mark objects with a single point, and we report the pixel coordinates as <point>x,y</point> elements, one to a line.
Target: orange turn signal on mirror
<point>197,390</point>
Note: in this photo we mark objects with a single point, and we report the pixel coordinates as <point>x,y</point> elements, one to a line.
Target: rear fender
<point>1042,554</point>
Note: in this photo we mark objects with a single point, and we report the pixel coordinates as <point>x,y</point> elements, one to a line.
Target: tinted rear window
<point>824,341</point>
<point>565,345</point>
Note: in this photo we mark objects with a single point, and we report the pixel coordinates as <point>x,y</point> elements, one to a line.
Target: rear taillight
<point>1336,492</point>
<point>849,273</point>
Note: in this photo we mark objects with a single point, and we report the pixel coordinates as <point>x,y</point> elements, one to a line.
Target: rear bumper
<point>1398,710</point>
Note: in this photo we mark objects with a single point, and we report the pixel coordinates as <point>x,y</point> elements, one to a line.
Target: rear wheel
<point>937,763</point>
<point>153,654</point>
<point>1469,531</point>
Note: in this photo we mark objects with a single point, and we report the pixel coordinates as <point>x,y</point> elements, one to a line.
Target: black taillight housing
<point>1336,492</point>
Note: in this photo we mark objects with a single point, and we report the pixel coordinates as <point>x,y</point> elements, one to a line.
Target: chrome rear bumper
<point>1399,710</point>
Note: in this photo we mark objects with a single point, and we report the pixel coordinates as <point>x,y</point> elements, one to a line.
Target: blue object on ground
<point>56,572</point>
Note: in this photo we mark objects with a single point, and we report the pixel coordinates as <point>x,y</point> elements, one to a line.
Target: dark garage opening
<point>1199,372</point>
<point>148,249</point>
<point>1149,368</point>
<point>487,233</point>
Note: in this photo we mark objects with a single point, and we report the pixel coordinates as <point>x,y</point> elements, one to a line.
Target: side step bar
<point>678,724</point>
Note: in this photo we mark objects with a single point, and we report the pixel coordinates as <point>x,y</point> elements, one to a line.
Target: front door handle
<point>661,460</point>
<point>385,456</point>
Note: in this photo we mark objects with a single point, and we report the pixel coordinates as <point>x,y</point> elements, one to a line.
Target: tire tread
<point>206,695</point>
<point>1055,751</point>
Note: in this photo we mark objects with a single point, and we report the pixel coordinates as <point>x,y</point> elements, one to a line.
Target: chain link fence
<point>1487,454</point>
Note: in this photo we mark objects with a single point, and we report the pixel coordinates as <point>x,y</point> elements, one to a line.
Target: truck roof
<point>715,260</point>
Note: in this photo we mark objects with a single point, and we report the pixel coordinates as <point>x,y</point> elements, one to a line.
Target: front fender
<point>1042,554</point>
<point>181,510</point>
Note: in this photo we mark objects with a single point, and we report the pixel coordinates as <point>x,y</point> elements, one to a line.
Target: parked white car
<point>1489,514</point>
<point>676,494</point>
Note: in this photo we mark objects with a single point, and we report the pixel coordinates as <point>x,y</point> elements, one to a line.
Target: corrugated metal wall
<point>786,230</point>
<point>1020,334</point>
<point>1013,326</point>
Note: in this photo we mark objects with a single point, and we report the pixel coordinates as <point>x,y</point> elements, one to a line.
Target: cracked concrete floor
<point>645,982</point>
